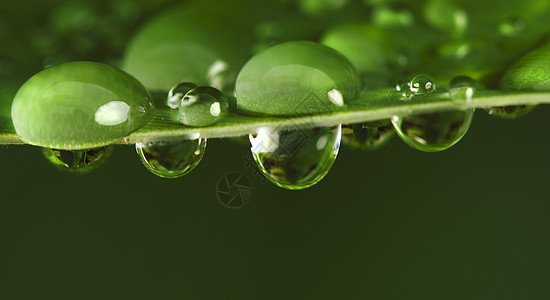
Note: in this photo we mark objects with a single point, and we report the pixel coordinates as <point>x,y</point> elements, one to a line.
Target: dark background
<point>470,222</point>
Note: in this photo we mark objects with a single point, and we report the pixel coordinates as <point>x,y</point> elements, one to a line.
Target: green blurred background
<point>470,222</point>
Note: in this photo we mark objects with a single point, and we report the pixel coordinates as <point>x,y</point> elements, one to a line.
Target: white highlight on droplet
<point>215,109</point>
<point>321,142</point>
<point>112,113</point>
<point>336,97</point>
<point>267,140</point>
<point>469,94</point>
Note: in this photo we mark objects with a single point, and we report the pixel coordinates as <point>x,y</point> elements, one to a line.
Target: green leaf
<point>370,106</point>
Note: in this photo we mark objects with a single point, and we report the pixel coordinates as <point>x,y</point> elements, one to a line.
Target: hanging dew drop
<point>203,106</point>
<point>434,131</point>
<point>171,159</point>
<point>368,135</point>
<point>78,162</point>
<point>298,158</point>
<point>175,95</point>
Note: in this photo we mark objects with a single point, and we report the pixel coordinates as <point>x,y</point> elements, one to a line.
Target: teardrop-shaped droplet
<point>462,89</point>
<point>296,78</point>
<point>175,95</point>
<point>78,161</point>
<point>368,135</point>
<point>297,158</point>
<point>510,111</point>
<point>203,106</point>
<point>79,105</point>
<point>433,131</point>
<point>422,84</point>
<point>171,159</point>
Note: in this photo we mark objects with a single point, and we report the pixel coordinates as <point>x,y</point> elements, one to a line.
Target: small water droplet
<point>512,26</point>
<point>368,135</point>
<point>175,95</point>
<point>510,112</point>
<point>171,159</point>
<point>422,84</point>
<point>403,86</point>
<point>392,15</point>
<point>433,131</point>
<point>462,89</point>
<point>298,158</point>
<point>203,106</point>
<point>78,162</point>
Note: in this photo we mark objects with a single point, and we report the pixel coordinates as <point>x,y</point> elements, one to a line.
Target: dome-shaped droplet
<point>368,135</point>
<point>175,95</point>
<point>296,158</point>
<point>422,84</point>
<point>78,162</point>
<point>79,105</point>
<point>462,89</point>
<point>171,159</point>
<point>433,131</point>
<point>203,106</point>
<point>296,78</point>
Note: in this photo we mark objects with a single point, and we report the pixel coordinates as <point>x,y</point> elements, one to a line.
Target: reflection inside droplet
<point>112,113</point>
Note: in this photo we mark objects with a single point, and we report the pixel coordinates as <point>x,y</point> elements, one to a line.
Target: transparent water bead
<point>175,95</point>
<point>297,158</point>
<point>422,84</point>
<point>171,159</point>
<point>462,89</point>
<point>203,106</point>
<point>404,87</point>
<point>368,135</point>
<point>510,112</point>
<point>78,162</point>
<point>434,131</point>
<point>296,78</point>
<point>79,105</point>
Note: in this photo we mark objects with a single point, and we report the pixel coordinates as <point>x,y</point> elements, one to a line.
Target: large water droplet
<point>203,106</point>
<point>462,89</point>
<point>79,105</point>
<point>295,158</point>
<point>171,159</point>
<point>368,135</point>
<point>296,78</point>
<point>175,95</point>
<point>78,162</point>
<point>433,131</point>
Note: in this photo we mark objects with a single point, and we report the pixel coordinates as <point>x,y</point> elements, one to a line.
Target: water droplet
<point>433,131</point>
<point>318,8</point>
<point>512,26</point>
<point>295,78</point>
<point>171,159</point>
<point>404,87</point>
<point>392,15</point>
<point>447,16</point>
<point>203,106</point>
<point>509,112</point>
<point>422,84</point>
<point>175,95</point>
<point>78,162</point>
<point>368,135</point>
<point>79,105</point>
<point>295,158</point>
<point>462,89</point>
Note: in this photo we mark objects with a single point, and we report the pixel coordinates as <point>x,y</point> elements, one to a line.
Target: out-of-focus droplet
<point>462,89</point>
